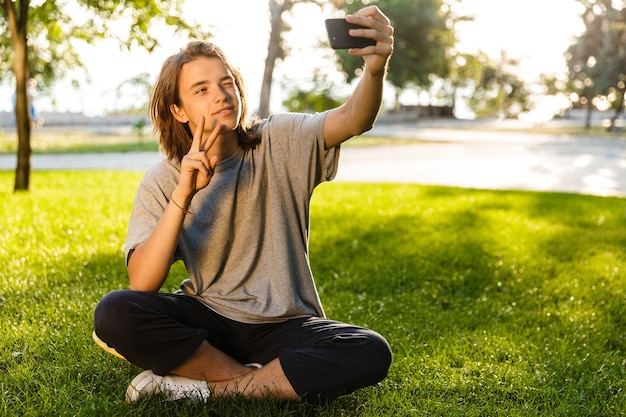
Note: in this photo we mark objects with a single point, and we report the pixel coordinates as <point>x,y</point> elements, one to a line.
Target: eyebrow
<point>202,82</point>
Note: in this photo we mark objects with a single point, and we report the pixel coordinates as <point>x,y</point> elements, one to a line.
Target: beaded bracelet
<point>180,207</point>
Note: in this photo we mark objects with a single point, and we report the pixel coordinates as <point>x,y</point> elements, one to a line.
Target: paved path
<point>494,160</point>
<point>456,157</point>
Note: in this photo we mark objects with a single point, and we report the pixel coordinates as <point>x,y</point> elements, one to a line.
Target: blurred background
<point>528,59</point>
<point>533,63</point>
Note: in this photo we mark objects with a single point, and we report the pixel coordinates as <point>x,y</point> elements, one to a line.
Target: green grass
<point>54,141</point>
<point>495,303</point>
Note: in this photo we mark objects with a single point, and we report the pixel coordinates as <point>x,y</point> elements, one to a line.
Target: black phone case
<point>340,39</point>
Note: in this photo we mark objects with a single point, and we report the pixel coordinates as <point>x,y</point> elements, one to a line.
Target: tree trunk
<point>618,111</point>
<point>17,27</point>
<point>23,121</point>
<point>274,52</point>
<point>588,115</point>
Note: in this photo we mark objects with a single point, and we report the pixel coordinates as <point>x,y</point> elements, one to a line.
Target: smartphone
<point>340,39</point>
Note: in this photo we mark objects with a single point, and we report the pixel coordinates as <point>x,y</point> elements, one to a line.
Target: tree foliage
<point>426,58</point>
<point>597,58</point>
<point>315,99</point>
<point>423,35</point>
<point>500,91</point>
<point>466,72</point>
<point>37,40</point>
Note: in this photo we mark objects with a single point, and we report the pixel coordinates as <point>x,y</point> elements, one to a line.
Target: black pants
<point>321,358</point>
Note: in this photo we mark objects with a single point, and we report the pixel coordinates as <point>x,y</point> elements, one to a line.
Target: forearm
<point>364,103</point>
<point>358,113</point>
<point>150,262</point>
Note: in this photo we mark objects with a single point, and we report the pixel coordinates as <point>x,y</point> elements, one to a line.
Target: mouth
<point>223,111</point>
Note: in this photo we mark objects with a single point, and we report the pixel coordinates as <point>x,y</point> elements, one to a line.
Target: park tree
<point>464,69</point>
<point>316,98</point>
<point>37,40</point>
<point>597,58</point>
<point>277,48</point>
<point>501,91</point>
<point>466,72</point>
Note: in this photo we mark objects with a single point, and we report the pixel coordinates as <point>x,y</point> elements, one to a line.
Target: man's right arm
<point>150,262</point>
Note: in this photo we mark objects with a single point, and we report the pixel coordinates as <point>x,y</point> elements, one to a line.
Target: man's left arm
<point>359,112</point>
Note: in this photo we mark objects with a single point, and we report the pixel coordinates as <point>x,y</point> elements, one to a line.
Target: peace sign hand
<point>196,167</point>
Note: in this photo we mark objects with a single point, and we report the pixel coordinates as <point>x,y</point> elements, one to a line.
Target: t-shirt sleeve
<point>150,202</point>
<point>301,138</point>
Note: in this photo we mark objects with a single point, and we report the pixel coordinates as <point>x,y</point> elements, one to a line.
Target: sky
<point>536,31</point>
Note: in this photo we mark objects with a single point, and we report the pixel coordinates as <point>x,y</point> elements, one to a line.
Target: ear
<point>179,114</point>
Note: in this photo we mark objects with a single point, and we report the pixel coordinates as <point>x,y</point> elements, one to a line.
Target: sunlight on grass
<point>495,303</point>
<point>65,140</point>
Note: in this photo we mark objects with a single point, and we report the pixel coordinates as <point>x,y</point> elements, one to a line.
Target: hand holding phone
<point>339,36</point>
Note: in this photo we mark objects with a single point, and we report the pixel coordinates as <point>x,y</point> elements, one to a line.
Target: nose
<point>220,95</point>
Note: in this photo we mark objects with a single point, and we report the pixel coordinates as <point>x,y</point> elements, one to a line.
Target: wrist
<point>181,200</point>
<point>183,197</point>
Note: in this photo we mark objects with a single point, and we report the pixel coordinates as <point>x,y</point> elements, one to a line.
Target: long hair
<point>175,137</point>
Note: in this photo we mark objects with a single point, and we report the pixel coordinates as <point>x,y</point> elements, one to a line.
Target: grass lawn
<point>52,140</point>
<point>495,303</point>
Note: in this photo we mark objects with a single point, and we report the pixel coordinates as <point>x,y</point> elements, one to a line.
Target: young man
<point>232,202</point>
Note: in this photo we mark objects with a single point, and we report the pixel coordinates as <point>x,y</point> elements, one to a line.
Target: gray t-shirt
<point>246,247</point>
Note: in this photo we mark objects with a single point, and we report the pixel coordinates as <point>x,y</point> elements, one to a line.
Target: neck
<point>225,145</point>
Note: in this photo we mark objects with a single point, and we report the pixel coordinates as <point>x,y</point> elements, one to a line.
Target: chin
<point>229,125</point>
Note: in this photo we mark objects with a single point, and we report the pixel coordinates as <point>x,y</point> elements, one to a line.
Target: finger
<point>197,136</point>
<point>364,15</point>
<point>375,13</point>
<point>206,172</point>
<point>372,28</point>
<point>208,143</point>
<point>377,28</point>
<point>383,48</point>
<point>212,164</point>
<point>200,166</point>
<point>195,162</point>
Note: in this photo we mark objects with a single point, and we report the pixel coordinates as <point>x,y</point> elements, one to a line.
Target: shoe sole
<point>106,347</point>
<point>144,382</point>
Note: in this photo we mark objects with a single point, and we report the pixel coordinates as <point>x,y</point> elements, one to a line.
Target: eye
<point>200,90</point>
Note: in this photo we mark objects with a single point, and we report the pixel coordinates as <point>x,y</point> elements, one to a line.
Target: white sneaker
<point>254,365</point>
<point>173,387</point>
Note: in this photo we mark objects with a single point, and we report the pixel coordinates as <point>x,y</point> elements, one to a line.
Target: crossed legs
<point>227,376</point>
<point>309,358</point>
